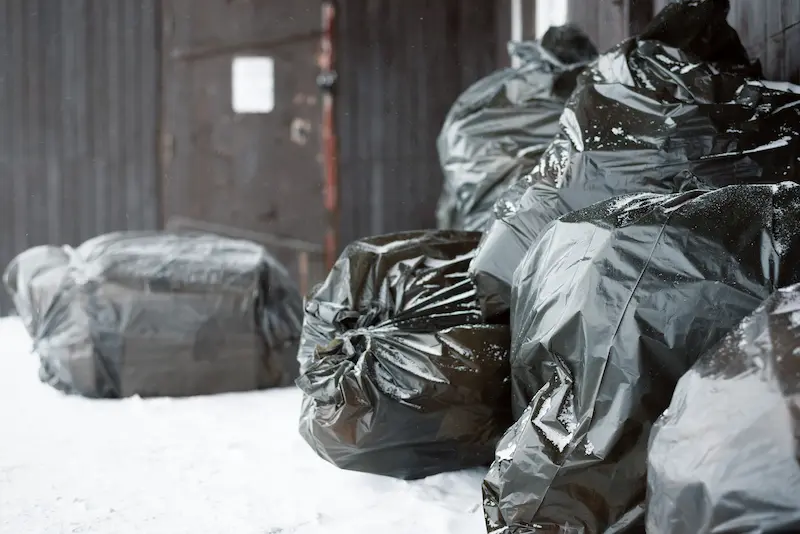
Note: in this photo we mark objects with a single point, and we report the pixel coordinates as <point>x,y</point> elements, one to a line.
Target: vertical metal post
<point>329,145</point>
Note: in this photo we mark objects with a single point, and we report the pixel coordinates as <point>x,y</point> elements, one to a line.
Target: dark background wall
<point>608,22</point>
<point>401,65</point>
<point>770,29</point>
<point>79,86</point>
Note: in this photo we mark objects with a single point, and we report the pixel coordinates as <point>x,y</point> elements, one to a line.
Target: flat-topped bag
<point>158,314</point>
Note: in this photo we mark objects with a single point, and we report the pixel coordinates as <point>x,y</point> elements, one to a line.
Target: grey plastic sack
<point>158,314</point>
<point>723,456</point>
<point>611,307</point>
<point>498,128</point>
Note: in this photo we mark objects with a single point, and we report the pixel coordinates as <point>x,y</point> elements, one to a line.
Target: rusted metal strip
<point>329,144</point>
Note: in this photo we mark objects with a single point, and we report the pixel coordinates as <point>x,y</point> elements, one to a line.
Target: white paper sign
<point>253,84</point>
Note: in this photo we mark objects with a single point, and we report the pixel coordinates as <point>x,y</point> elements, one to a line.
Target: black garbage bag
<point>158,314</point>
<point>643,113</point>
<point>610,308</point>
<point>498,128</point>
<point>723,457</point>
<point>399,374</point>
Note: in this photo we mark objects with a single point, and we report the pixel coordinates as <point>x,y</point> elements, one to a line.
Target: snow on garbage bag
<point>158,314</point>
<point>676,98</point>
<point>400,375</point>
<point>723,456</point>
<point>611,307</point>
<point>498,128</point>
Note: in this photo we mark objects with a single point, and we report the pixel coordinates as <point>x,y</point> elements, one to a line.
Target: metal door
<point>257,169</point>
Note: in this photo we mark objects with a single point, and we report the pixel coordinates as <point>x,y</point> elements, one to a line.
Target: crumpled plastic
<point>723,456</point>
<point>400,375</point>
<point>678,98</point>
<point>610,308</point>
<point>158,314</point>
<point>498,128</point>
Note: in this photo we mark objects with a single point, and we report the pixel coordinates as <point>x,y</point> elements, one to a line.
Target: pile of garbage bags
<point>611,307</point>
<point>400,375</point>
<point>723,456</point>
<point>682,96</point>
<point>662,211</point>
<point>158,314</point>
<point>631,298</point>
<point>498,128</point>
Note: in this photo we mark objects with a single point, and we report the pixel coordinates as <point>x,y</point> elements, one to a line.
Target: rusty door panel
<point>256,172</point>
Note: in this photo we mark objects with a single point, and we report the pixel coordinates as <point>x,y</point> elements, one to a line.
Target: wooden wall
<point>770,29</point>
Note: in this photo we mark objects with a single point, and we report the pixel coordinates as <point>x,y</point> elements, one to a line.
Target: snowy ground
<point>231,464</point>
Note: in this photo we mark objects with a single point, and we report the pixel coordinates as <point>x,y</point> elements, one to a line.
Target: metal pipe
<point>329,144</point>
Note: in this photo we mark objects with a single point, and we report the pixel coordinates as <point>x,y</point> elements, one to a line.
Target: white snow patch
<point>786,87</point>
<point>778,143</point>
<point>621,202</point>
<point>206,465</point>
<point>507,454</point>
<point>566,416</point>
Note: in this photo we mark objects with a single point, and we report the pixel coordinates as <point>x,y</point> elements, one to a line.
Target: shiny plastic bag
<point>723,457</point>
<point>399,374</point>
<point>158,314</point>
<point>610,308</point>
<point>654,106</point>
<point>498,128</point>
